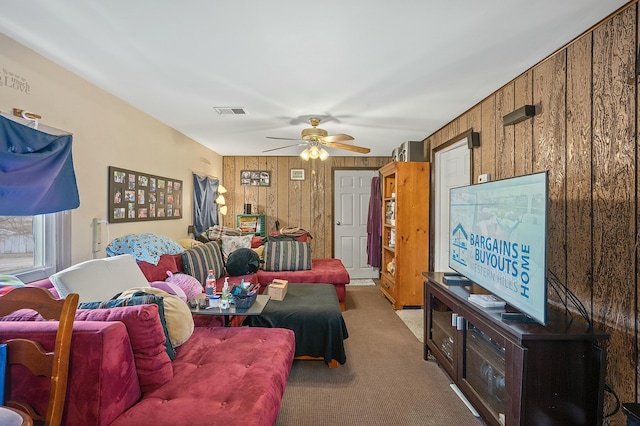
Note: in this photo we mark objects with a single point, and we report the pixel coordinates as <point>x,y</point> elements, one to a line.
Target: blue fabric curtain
<point>374,225</point>
<point>36,171</point>
<point>205,210</point>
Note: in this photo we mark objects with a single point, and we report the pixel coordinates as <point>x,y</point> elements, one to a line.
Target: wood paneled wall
<point>307,203</point>
<point>585,134</point>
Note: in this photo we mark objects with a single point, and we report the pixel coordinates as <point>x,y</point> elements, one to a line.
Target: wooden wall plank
<point>282,185</point>
<point>271,199</point>
<point>614,193</point>
<point>228,171</point>
<point>579,152</point>
<point>505,155</point>
<point>474,121</point>
<point>637,280</point>
<point>549,153</point>
<point>488,160</point>
<point>523,131</point>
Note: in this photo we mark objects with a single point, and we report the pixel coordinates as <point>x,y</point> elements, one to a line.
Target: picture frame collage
<point>255,178</point>
<point>136,196</point>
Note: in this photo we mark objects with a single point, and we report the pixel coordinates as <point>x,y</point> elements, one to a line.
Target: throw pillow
<point>99,279</point>
<point>188,284</point>
<point>287,256</point>
<point>243,261</point>
<point>230,244</point>
<point>148,341</point>
<point>199,260</point>
<point>158,272</point>
<point>176,312</point>
<point>138,298</point>
<point>260,252</point>
<point>170,288</point>
<point>217,231</point>
<point>188,243</point>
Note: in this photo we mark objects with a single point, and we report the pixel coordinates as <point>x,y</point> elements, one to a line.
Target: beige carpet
<point>414,320</point>
<point>385,381</point>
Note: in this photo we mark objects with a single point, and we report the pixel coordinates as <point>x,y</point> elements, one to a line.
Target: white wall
<point>106,132</point>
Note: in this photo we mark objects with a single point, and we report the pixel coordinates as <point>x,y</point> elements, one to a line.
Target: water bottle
<point>210,283</point>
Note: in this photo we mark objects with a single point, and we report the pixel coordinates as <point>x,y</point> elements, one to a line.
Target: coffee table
<point>255,309</point>
<point>313,312</point>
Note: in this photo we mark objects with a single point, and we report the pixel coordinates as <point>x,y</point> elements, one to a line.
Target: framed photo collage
<point>136,196</point>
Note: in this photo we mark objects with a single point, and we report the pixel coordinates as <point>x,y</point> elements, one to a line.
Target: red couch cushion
<point>102,373</point>
<point>225,376</point>
<point>328,271</point>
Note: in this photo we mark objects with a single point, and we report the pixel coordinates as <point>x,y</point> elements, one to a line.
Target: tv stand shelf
<point>515,372</point>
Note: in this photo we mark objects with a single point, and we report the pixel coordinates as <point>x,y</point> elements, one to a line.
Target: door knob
<point>338,223</point>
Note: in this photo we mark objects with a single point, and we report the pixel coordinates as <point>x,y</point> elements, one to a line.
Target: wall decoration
<point>297,174</point>
<point>255,178</point>
<point>136,196</point>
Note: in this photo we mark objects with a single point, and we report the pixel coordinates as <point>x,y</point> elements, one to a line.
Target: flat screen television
<point>498,239</point>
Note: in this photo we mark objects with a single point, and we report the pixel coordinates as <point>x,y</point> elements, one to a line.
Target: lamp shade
<point>324,154</point>
<point>221,189</point>
<point>223,210</point>
<point>220,199</point>
<point>305,154</point>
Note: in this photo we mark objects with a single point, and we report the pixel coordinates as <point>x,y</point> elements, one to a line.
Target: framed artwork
<point>136,196</point>
<point>297,174</point>
<point>255,178</point>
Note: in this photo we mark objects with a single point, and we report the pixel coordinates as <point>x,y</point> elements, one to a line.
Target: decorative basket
<point>244,301</point>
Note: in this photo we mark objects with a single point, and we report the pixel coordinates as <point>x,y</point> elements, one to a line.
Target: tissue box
<point>278,289</point>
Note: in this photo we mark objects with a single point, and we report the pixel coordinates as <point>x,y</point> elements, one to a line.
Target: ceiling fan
<point>316,139</point>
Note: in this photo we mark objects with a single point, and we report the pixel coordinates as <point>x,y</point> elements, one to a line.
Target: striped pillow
<point>198,260</point>
<point>287,256</point>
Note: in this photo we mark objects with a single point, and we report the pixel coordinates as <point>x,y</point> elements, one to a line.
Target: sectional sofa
<point>121,374</point>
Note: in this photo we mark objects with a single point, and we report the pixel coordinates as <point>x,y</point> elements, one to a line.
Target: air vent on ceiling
<point>229,110</point>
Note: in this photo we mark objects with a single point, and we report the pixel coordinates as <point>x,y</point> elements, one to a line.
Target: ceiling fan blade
<point>283,147</point>
<point>337,138</point>
<point>283,139</point>
<point>348,147</point>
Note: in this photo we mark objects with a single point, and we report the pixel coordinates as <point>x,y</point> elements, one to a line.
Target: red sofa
<point>120,373</point>
<point>327,271</point>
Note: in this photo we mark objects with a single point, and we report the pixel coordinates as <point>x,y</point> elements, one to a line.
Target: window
<point>34,247</point>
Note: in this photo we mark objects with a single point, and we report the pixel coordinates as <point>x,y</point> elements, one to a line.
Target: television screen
<point>497,239</point>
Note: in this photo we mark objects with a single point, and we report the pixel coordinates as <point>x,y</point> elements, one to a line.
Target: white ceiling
<point>382,71</point>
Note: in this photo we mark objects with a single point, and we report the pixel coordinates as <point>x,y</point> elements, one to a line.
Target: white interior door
<point>352,189</point>
<point>453,169</point>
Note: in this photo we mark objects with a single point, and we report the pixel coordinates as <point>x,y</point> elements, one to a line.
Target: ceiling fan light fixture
<point>305,154</point>
<point>221,189</point>
<point>220,199</point>
<point>324,154</point>
<point>223,210</point>
<point>314,152</point>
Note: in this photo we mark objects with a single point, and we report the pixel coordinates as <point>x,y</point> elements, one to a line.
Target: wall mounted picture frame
<point>297,174</point>
<point>137,196</point>
<point>255,178</point>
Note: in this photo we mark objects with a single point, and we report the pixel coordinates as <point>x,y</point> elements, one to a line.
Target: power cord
<point>608,388</point>
<point>560,288</point>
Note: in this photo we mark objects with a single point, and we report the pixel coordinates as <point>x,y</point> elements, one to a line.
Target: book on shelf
<point>487,300</point>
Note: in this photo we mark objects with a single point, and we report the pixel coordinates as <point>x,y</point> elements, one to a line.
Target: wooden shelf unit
<point>405,231</point>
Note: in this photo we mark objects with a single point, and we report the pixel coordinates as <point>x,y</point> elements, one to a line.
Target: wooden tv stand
<point>515,373</point>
